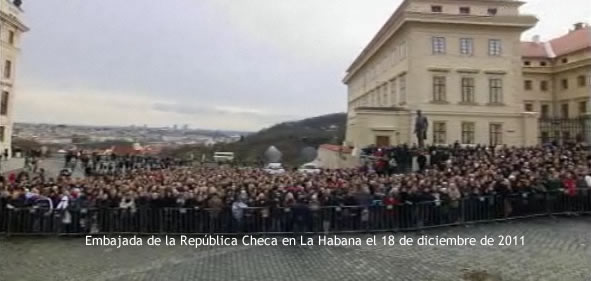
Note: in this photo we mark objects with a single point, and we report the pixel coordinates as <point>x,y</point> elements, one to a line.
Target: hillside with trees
<point>289,137</point>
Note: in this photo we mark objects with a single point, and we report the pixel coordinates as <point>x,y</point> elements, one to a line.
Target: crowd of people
<point>445,175</point>
<point>94,164</point>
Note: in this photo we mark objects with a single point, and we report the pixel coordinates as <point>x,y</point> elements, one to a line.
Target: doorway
<point>382,141</point>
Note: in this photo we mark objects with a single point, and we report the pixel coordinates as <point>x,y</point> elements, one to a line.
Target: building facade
<point>458,61</point>
<point>557,82</point>
<point>11,30</point>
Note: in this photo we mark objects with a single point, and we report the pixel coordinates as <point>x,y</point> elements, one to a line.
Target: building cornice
<point>504,2</point>
<point>375,108</point>
<point>439,69</point>
<point>2,83</point>
<point>586,62</point>
<point>384,128</point>
<point>13,21</point>
<point>538,70</point>
<point>383,113</point>
<point>467,70</point>
<point>393,20</point>
<point>401,17</point>
<point>495,71</point>
<point>474,113</point>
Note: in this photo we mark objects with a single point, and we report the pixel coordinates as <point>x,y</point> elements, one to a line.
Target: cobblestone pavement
<point>555,250</point>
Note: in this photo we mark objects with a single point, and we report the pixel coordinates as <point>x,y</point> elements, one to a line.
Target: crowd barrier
<point>297,219</point>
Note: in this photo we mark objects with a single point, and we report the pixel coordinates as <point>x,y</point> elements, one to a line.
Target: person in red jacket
<point>390,202</point>
<point>12,178</point>
<point>570,185</point>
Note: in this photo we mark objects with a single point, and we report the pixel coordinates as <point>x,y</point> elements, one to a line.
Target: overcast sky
<point>217,64</point>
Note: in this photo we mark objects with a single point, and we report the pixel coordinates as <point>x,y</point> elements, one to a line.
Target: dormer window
<point>465,10</point>
<point>436,9</point>
<point>492,11</point>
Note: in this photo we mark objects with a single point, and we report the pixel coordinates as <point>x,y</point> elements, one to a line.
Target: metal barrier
<point>296,219</point>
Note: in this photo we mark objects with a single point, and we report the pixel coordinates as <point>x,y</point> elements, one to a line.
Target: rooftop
<point>577,39</point>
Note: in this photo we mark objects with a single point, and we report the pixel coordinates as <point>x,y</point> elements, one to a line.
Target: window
<point>492,11</point>
<point>467,89</point>
<point>582,81</point>
<point>11,37</point>
<point>564,110</point>
<point>543,63</point>
<point>582,107</point>
<point>438,45</point>
<point>468,132</point>
<point>436,9</point>
<point>495,91</point>
<point>393,97</point>
<point>439,132</point>
<point>378,94</point>
<point>545,111</point>
<point>528,63</point>
<point>527,84</point>
<point>402,82</point>
<point>564,60</point>
<point>2,133</point>
<point>439,88</point>
<point>4,103</point>
<point>7,69</point>
<point>564,84</point>
<point>494,47</point>
<point>465,10</point>
<point>529,107</point>
<point>466,46</point>
<point>496,133</point>
<point>544,85</point>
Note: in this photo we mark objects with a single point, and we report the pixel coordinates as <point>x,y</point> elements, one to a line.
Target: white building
<point>457,61</point>
<point>11,30</point>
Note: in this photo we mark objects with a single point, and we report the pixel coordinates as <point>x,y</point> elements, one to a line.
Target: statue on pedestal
<point>421,126</point>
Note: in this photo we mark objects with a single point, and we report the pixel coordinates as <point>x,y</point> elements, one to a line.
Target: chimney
<point>579,25</point>
<point>536,39</point>
<point>17,3</point>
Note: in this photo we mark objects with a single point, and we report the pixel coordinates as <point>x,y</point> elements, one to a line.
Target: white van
<point>274,169</point>
<point>223,156</point>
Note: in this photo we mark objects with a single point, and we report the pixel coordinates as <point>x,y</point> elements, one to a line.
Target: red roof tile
<point>125,150</point>
<point>336,148</point>
<point>533,50</point>
<point>573,41</point>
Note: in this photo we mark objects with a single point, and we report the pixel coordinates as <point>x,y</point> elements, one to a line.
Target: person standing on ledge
<point>421,125</point>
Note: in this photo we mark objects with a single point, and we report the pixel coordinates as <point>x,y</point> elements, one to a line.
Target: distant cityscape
<point>52,134</point>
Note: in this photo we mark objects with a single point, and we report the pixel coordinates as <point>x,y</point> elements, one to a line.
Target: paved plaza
<point>555,250</point>
<point>52,166</point>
